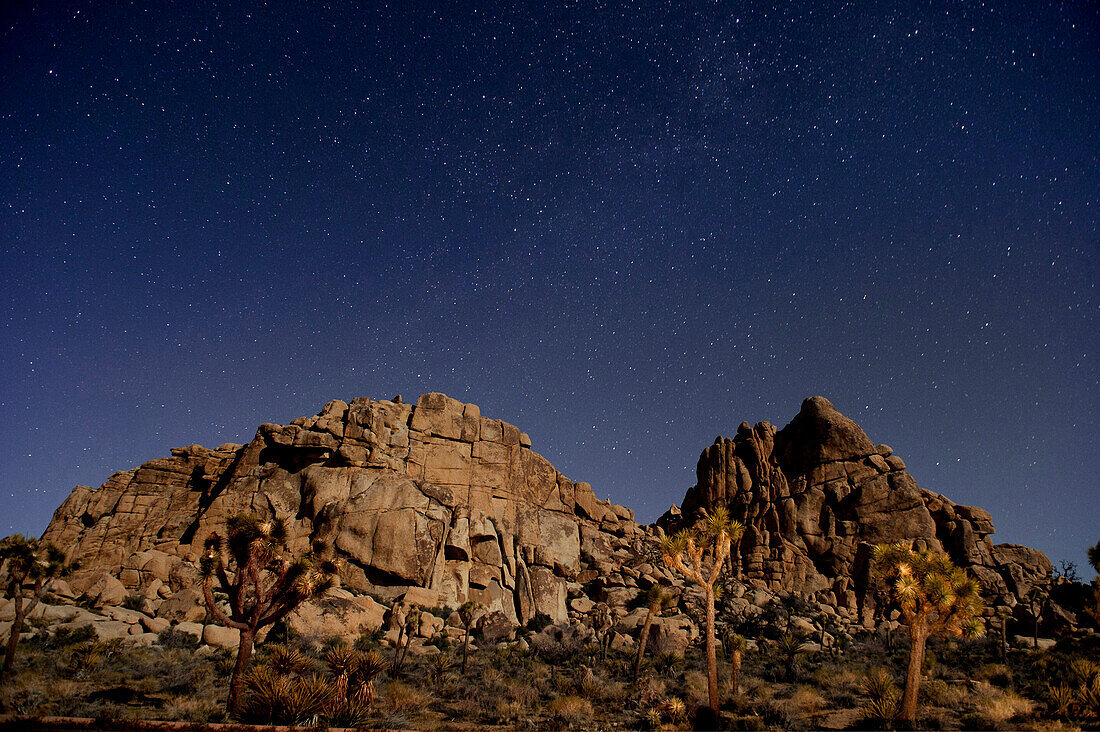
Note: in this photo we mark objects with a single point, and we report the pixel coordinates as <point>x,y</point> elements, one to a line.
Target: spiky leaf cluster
<point>684,551</point>
<point>251,566</point>
<point>928,587</point>
<point>28,560</point>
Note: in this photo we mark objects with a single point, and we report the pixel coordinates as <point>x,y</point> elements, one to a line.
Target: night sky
<point>623,227</point>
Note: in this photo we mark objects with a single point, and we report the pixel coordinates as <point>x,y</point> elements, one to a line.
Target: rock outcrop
<point>431,496</point>
<point>816,495</point>
<point>432,505</point>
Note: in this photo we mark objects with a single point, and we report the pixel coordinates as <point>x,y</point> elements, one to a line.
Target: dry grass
<point>400,698</point>
<point>993,707</point>
<point>809,702</point>
<point>188,709</point>
<point>567,711</point>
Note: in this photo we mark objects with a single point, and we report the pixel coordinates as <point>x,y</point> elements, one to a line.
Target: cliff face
<point>817,494</point>
<point>432,495</point>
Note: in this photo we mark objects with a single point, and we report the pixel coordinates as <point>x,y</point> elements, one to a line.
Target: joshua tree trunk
<point>1035,634</point>
<point>1004,640</point>
<point>643,639</point>
<point>918,635</point>
<point>465,648</point>
<point>712,659</point>
<point>236,683</point>
<point>735,671</point>
<point>13,637</point>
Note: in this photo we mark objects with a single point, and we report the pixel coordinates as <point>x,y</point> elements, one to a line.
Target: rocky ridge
<point>432,504</point>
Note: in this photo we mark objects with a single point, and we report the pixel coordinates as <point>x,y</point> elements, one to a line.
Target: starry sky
<point>623,227</point>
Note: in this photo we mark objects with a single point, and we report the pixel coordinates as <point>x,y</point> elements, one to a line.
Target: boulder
<point>221,637</point>
<point>187,605</point>
<point>105,590</point>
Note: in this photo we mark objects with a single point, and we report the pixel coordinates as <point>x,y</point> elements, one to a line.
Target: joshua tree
<point>405,632</point>
<point>25,561</point>
<point>1037,598</point>
<point>600,619</point>
<point>935,597</point>
<point>735,646</point>
<point>684,552</point>
<point>657,598</point>
<point>1003,614</point>
<point>263,584</point>
<point>467,613</point>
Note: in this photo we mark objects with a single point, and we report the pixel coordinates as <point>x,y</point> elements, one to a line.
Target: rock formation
<point>430,496</point>
<point>816,495</point>
<point>434,505</point>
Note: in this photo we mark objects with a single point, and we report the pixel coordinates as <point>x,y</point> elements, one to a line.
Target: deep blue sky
<point>623,227</point>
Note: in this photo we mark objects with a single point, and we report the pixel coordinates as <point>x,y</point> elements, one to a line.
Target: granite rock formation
<point>430,496</point>
<point>816,495</point>
<point>432,504</point>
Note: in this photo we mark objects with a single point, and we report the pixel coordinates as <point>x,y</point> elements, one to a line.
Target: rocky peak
<point>816,495</point>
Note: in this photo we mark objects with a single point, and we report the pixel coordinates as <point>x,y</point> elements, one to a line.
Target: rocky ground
<point>552,678</point>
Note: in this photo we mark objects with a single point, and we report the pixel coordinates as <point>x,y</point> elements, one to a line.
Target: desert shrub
<point>939,693</point>
<point>1062,701</point>
<point>370,641</point>
<point>810,703</point>
<point>993,707</point>
<point>997,674</point>
<point>63,638</point>
<point>537,623</point>
<point>174,638</point>
<point>402,698</point>
<point>589,686</point>
<point>568,711</point>
<point>134,601</point>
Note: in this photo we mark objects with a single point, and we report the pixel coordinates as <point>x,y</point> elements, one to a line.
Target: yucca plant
<point>1063,700</point>
<point>673,710</point>
<point>263,584</point>
<point>341,661</point>
<point>882,705</point>
<point>440,665</point>
<point>791,646</point>
<point>684,552</point>
<point>287,660</point>
<point>935,597</point>
<point>24,562</point>
<point>370,665</point>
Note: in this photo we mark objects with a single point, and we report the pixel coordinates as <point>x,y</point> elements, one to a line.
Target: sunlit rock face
<point>432,496</point>
<point>816,495</point>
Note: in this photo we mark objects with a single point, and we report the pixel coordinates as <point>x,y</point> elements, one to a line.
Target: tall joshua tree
<point>935,597</point>
<point>264,585</point>
<point>657,598</point>
<point>25,562</point>
<point>685,553</point>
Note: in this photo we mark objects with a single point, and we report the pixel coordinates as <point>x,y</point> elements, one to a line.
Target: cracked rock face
<point>432,496</point>
<point>817,494</point>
